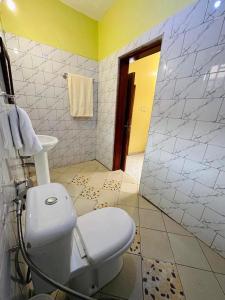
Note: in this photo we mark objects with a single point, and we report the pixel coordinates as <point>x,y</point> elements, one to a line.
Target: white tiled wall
<point>42,91</point>
<point>10,169</point>
<point>184,166</point>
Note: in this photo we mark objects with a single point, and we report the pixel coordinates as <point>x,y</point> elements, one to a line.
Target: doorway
<point>137,78</point>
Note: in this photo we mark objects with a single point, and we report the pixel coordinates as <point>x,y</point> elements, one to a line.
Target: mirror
<point>6,72</point>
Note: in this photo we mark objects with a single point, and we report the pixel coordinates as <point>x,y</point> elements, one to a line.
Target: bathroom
<point>165,232</point>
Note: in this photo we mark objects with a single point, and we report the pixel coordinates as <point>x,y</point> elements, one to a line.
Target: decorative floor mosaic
<point>135,247</point>
<point>90,193</point>
<point>80,180</point>
<point>112,185</point>
<point>102,205</point>
<point>161,281</point>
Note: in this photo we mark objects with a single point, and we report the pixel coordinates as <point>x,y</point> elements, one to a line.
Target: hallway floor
<point>165,261</point>
<point>134,165</point>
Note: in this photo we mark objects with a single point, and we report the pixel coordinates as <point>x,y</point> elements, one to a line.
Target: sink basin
<point>41,159</point>
<point>48,142</point>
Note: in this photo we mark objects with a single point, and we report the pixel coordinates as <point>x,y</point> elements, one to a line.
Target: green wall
<point>127,19</point>
<point>54,23</point>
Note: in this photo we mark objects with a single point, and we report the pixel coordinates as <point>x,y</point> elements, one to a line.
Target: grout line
<point>142,288</point>
<point>174,259</point>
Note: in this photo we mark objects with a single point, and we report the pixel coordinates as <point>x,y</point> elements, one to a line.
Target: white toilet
<point>84,252</point>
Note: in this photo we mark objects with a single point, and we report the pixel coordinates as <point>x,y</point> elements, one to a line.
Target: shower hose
<point>33,267</point>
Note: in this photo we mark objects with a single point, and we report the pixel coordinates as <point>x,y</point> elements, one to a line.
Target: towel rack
<point>65,76</point>
<point>4,94</point>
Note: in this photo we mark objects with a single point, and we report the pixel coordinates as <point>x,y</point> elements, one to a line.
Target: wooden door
<point>128,118</point>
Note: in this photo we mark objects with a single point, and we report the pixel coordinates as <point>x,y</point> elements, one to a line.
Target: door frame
<point>121,107</point>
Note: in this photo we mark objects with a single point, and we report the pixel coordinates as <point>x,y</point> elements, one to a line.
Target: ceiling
<point>94,9</point>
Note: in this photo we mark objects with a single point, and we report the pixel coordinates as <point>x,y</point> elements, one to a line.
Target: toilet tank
<point>49,224</point>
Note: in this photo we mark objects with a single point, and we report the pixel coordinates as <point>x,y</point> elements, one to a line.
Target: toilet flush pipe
<point>33,267</point>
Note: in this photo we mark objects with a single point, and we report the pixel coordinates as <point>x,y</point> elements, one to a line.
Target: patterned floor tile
<point>101,205</point>
<point>161,281</point>
<point>135,247</point>
<point>90,193</point>
<point>80,180</point>
<point>112,184</point>
<point>84,206</point>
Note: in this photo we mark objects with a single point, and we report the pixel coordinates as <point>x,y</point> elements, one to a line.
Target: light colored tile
<point>97,179</point>
<point>161,280</point>
<point>128,284</point>
<point>146,204</point>
<point>221,279</point>
<point>203,36</point>
<point>189,205</point>
<point>219,244</point>
<point>190,87</point>
<point>213,220</point>
<point>190,17</point>
<point>220,182</point>
<point>216,261</point>
<point>171,209</point>
<point>200,173</point>
<point>132,211</point>
<point>129,199</point>
<point>210,60</point>
<point>180,128</point>
<point>180,67</point>
<point>135,247</point>
<point>221,115</point>
<point>209,132</point>
<point>189,149</point>
<point>199,284</point>
<point>83,206</point>
<point>214,9</point>
<point>110,197</point>
<point>164,89</point>
<point>73,189</point>
<point>129,187</point>
<point>151,219</point>
<point>202,109</point>
<point>196,227</point>
<point>187,251</point>
<point>174,227</point>
<point>156,245</point>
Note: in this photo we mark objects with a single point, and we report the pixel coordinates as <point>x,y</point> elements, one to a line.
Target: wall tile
<point>203,36</point>
<point>214,11</point>
<point>37,73</point>
<point>202,109</point>
<point>185,148</point>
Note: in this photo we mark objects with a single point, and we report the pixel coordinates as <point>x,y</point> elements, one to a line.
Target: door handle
<point>127,126</point>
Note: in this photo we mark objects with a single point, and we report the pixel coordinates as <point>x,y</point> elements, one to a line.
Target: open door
<point>124,115</point>
<point>128,118</point>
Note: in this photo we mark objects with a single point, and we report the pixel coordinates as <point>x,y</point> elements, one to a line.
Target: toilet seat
<point>105,233</point>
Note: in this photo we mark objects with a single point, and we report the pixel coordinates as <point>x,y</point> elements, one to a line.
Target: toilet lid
<point>104,232</point>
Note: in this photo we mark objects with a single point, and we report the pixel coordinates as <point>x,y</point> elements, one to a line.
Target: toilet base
<point>93,279</point>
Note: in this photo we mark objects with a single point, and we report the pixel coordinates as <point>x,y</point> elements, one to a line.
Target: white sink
<point>41,158</point>
<point>48,142</point>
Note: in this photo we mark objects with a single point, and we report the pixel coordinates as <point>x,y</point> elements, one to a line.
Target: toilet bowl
<point>83,252</point>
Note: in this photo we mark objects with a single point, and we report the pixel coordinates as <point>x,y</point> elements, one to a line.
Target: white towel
<point>24,137</point>
<point>6,132</point>
<point>80,95</point>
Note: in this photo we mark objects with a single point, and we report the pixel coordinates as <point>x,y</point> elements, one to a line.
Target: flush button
<point>51,200</point>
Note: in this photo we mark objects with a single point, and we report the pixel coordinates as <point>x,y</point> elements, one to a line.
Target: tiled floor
<point>134,165</point>
<point>165,261</point>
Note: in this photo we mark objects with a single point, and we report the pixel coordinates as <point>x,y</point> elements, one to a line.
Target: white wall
<point>184,166</point>
<point>41,90</point>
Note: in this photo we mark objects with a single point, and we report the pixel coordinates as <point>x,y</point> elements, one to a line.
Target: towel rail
<point>3,94</point>
<point>65,76</point>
